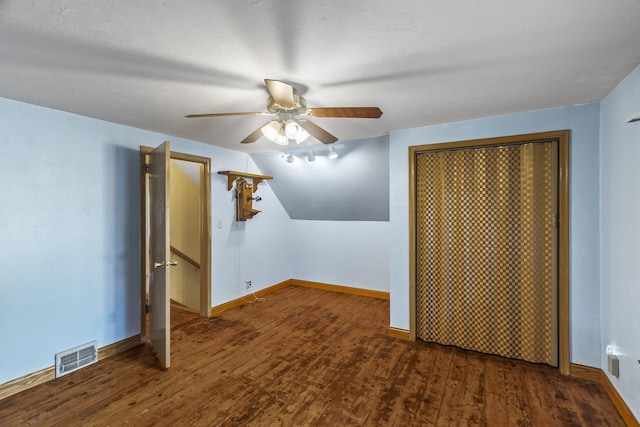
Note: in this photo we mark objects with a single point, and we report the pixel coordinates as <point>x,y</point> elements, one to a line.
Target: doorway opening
<point>187,178</point>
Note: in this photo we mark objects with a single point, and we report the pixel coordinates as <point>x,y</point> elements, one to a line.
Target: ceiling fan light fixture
<point>289,158</point>
<point>271,130</point>
<point>291,128</point>
<point>333,154</point>
<point>295,132</point>
<point>281,138</point>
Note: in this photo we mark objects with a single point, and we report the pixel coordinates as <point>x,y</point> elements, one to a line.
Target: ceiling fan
<point>291,123</point>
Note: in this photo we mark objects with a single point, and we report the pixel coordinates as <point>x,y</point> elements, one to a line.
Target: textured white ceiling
<point>148,63</point>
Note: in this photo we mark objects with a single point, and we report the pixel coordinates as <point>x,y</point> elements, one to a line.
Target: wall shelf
<point>233,175</point>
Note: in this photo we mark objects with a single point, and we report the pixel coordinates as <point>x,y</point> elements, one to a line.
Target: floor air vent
<point>75,358</point>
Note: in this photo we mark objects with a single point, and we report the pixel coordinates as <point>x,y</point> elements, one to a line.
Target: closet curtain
<point>486,250</point>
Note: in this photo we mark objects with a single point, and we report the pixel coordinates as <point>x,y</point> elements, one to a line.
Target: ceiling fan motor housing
<point>300,106</point>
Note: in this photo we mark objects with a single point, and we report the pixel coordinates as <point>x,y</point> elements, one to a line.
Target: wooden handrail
<point>185,257</point>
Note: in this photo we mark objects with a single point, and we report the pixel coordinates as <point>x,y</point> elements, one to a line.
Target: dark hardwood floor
<point>310,357</point>
<point>181,314</point>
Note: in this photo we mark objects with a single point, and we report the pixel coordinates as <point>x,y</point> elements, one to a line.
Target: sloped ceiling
<point>353,187</point>
<point>148,63</point>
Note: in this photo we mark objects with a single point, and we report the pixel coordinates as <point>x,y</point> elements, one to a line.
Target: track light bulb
<point>333,154</point>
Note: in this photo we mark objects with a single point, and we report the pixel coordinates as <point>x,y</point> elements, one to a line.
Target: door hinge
<point>556,221</point>
<point>147,309</point>
<point>146,168</point>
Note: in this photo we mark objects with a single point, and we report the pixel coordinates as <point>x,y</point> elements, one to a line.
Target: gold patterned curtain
<point>486,252</point>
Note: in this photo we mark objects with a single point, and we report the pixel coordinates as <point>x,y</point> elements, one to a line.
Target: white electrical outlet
<point>248,284</point>
<point>219,223</point>
<point>613,365</point>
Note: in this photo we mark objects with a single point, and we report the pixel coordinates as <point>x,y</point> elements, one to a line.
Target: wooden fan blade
<point>349,112</point>
<point>281,92</point>
<point>318,133</point>
<point>250,113</point>
<point>253,136</point>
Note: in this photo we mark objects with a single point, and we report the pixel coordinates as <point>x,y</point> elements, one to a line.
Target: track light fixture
<point>290,153</point>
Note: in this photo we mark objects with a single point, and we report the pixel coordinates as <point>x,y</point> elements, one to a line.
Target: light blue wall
<point>583,121</point>
<point>347,253</point>
<point>620,235</point>
<point>69,231</point>
<point>353,187</point>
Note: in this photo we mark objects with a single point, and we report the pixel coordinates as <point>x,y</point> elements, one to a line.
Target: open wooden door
<point>159,303</point>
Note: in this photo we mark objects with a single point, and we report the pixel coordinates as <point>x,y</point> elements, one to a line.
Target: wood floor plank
<point>495,405</point>
<point>472,399</point>
<point>518,408</point>
<point>309,357</point>
<point>542,401</point>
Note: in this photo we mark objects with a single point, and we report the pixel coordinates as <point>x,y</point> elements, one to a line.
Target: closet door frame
<point>562,137</point>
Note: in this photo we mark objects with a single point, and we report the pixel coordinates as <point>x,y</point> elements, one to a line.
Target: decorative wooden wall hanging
<point>244,192</point>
